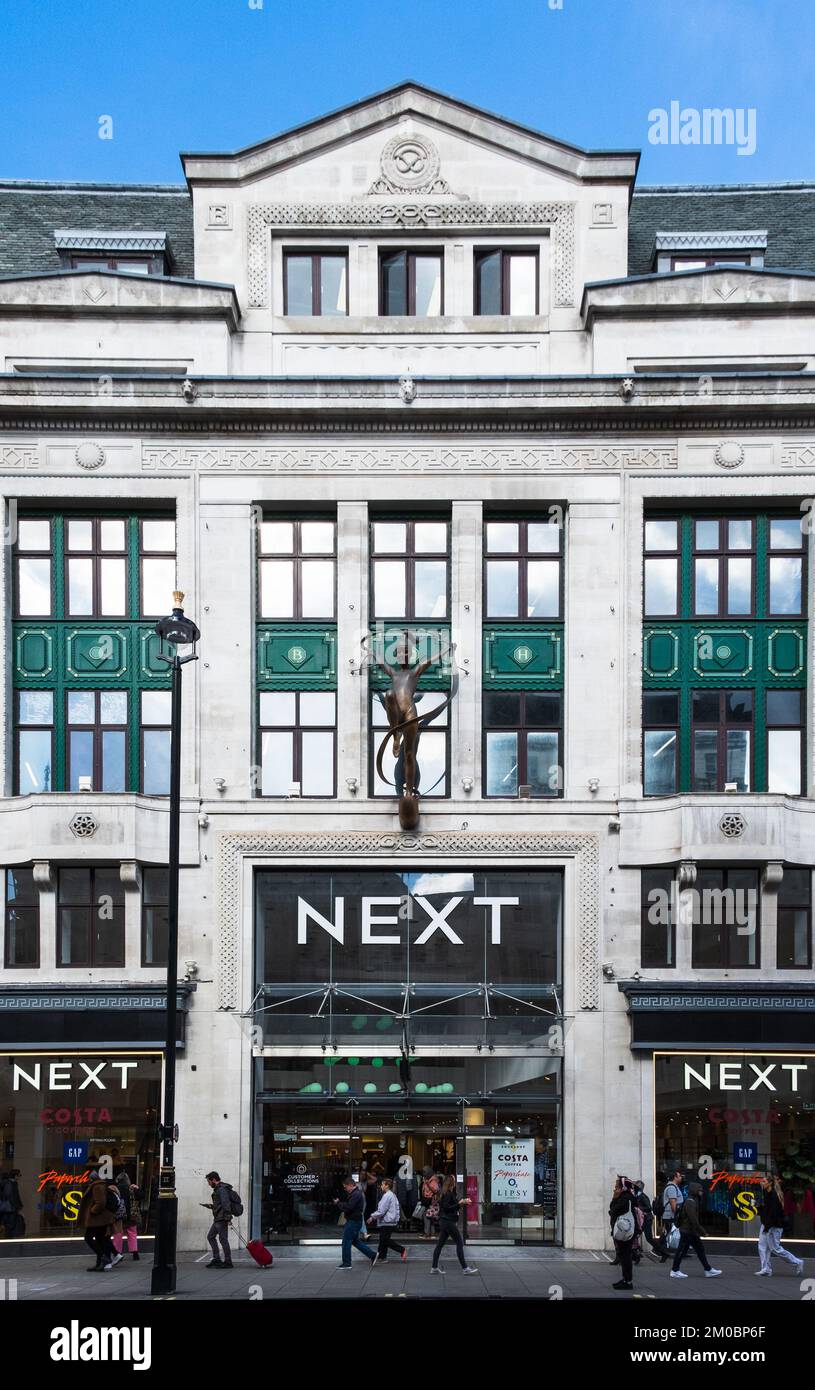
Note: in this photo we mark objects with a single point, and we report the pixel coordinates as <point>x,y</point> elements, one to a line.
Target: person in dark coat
<point>449,1206</point>
<point>690,1234</point>
<point>353,1208</point>
<point>623,1203</point>
<point>645,1205</point>
<point>98,1219</point>
<point>771,1216</point>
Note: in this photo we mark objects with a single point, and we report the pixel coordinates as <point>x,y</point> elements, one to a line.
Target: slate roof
<point>31,212</point>
<point>786,210</point>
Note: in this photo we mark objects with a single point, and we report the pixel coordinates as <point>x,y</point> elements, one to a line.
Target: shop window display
<point>728,1118</point>
<point>60,1113</point>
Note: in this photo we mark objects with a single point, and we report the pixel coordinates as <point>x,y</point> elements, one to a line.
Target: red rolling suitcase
<point>259,1253</point>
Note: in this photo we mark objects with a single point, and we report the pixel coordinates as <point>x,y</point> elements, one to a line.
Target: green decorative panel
<point>660,652</point>
<point>94,651</point>
<point>786,653</point>
<point>723,652</point>
<point>528,657</point>
<point>296,657</point>
<point>384,642</point>
<point>34,653</point>
<point>150,668</point>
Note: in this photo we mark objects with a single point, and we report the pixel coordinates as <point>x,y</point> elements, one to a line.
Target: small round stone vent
<point>89,456</point>
<point>732,825</point>
<point>729,454</point>
<point>83,824</point>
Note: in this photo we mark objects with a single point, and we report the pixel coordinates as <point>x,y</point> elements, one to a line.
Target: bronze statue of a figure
<point>405,724</point>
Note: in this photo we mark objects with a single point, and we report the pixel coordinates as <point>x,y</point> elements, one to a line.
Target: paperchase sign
<point>512,1170</point>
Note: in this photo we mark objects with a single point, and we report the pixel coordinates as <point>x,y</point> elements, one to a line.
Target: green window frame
<point>724,611</point>
<point>86,592</point>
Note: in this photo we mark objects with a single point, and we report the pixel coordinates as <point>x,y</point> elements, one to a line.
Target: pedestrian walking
<point>11,1205</point>
<point>223,1206</point>
<point>130,1221</point>
<point>623,1221</point>
<point>672,1199</point>
<point>353,1209</point>
<point>387,1216</point>
<point>646,1206</point>
<point>97,1216</point>
<point>771,1216</point>
<point>449,1206</point>
<point>690,1234</point>
<point>431,1191</point>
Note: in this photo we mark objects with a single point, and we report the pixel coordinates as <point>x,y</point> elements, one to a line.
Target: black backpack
<point>235,1203</point>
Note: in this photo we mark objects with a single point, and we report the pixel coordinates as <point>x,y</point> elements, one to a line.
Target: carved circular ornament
<point>732,825</point>
<point>729,454</point>
<point>83,824</point>
<point>89,455</point>
<point>410,161</point>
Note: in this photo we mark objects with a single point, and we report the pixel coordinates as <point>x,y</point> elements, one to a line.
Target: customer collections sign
<point>512,1170</point>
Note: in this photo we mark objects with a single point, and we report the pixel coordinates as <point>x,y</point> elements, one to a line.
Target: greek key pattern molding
<point>19,456</point>
<point>394,458</point>
<point>356,845</point>
<point>262,217</point>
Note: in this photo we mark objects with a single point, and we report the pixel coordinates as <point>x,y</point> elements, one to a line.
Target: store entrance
<point>504,1158</point>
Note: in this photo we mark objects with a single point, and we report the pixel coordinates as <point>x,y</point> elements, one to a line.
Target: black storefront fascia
<point>704,1014</point>
<point>92,1016</point>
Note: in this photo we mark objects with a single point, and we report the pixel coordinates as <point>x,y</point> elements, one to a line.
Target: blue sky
<point>219,74</point>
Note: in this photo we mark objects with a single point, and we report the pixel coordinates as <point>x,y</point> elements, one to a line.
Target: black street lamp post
<point>175,632</point>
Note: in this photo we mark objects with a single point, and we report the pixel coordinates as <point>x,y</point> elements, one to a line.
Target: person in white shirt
<point>387,1217</point>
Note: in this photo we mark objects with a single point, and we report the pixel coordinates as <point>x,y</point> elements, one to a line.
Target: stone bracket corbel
<point>130,875</point>
<point>686,874</point>
<point>43,876</point>
<point>771,877</point>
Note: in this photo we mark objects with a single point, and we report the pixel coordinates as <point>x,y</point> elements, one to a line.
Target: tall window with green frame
<point>296,670</point>
<point>522,752</point>
<point>724,652</point>
<point>91,699</point>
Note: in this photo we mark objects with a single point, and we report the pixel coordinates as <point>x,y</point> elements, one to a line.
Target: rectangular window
<point>657,919</point>
<point>297,568</point>
<point>702,262</point>
<point>794,926</point>
<point>22,935</point>
<point>96,726</point>
<point>33,568</point>
<point>154,926</point>
<point>722,728</point>
<point>90,918</point>
<point>661,568</point>
<point>434,747</point>
<point>156,706</point>
<point>96,567</point>
<point>522,568</point>
<point>522,737</point>
<point>297,736</point>
<point>411,283</point>
<point>130,265</point>
<point>506,282</point>
<point>660,720</point>
<point>315,283</point>
<point>785,567</point>
<point>35,741</point>
<point>726,919</point>
<point>785,739</point>
<point>724,566</point>
<point>410,569</point>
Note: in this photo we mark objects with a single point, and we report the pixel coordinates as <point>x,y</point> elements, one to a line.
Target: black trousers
<point>386,1242</point>
<point>688,1241</point>
<point>448,1230</point>
<point>98,1238</point>
<point>625,1255</point>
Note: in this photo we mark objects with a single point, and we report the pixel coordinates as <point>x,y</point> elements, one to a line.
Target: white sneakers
<point>712,1273</point>
<point>437,1270</point>
<point>767,1272</point>
<point>470,1269</point>
<point>677,1274</point>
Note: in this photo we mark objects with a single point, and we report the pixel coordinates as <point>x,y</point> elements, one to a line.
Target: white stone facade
<point>528,413</point>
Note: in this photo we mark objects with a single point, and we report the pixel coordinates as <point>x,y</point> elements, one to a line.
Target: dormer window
<point>411,283</point>
<point>701,250</point>
<point>506,282</point>
<point>129,252</point>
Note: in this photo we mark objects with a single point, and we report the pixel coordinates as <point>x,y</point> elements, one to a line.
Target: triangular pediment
<point>409,140</point>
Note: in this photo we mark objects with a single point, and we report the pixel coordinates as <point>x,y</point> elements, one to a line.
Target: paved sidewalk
<point>502,1273</point>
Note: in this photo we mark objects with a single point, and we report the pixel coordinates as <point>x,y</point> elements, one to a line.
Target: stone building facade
<point>411,368</point>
